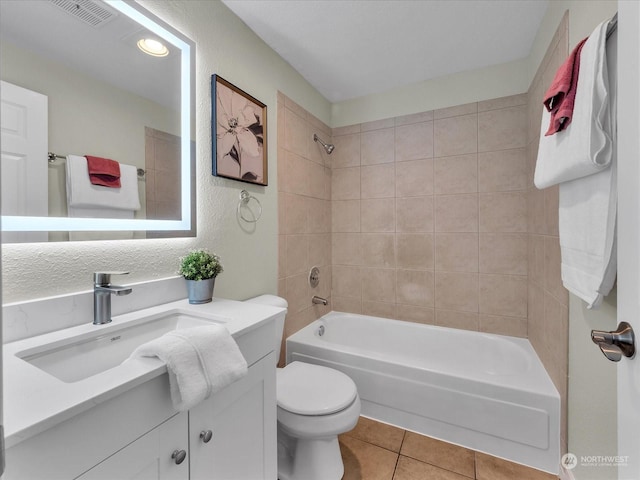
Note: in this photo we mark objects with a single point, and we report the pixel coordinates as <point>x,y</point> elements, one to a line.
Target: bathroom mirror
<point>102,97</point>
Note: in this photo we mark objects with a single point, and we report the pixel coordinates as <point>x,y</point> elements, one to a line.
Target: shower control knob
<point>314,277</point>
<point>179,456</point>
<point>206,435</point>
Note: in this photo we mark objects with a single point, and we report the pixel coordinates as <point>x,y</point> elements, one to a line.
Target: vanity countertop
<point>35,400</point>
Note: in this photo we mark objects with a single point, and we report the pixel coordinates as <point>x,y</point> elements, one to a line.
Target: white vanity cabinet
<point>240,426</point>
<point>133,434</point>
<point>154,456</point>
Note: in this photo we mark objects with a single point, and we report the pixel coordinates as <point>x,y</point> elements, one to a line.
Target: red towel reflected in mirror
<point>103,171</point>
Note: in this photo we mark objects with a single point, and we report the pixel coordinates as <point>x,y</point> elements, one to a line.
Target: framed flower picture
<point>238,133</point>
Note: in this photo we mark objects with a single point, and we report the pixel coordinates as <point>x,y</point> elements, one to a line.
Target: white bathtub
<point>486,392</point>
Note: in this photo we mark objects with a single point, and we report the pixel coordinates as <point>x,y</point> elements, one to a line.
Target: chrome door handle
<point>617,343</point>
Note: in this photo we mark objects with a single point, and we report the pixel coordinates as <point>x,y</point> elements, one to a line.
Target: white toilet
<point>315,405</point>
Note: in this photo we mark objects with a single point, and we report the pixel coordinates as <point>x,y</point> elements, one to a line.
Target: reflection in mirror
<point>117,121</point>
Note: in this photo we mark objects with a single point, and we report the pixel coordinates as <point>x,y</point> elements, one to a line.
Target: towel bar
<point>52,157</point>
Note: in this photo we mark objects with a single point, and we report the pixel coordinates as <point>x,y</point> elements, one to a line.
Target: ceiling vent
<point>90,12</point>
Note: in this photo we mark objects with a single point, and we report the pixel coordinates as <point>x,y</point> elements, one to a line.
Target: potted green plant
<point>200,269</point>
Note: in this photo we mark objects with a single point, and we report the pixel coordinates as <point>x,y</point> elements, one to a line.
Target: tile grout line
<point>395,468</point>
<point>475,465</point>
<point>478,224</point>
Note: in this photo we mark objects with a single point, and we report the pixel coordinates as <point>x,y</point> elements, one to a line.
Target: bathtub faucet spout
<point>316,300</point>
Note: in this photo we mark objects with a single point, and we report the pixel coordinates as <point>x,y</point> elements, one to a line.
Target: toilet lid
<point>308,389</point>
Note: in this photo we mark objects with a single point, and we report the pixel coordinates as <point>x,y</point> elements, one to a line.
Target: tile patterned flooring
<point>376,451</point>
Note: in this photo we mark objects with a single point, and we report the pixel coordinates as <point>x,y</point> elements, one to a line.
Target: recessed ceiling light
<point>153,47</point>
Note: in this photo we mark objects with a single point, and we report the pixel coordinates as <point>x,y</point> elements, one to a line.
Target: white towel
<point>587,235</point>
<point>81,193</point>
<point>200,362</point>
<point>587,214</point>
<point>585,147</point>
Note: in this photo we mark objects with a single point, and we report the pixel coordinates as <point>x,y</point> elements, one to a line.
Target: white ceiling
<point>351,48</point>
<point>107,52</point>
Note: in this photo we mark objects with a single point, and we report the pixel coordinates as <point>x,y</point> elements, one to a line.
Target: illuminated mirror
<point>105,98</point>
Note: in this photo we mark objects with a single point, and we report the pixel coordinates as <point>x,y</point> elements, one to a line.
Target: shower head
<point>328,147</point>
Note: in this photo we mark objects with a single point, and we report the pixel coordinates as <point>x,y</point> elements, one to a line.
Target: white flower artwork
<point>239,134</point>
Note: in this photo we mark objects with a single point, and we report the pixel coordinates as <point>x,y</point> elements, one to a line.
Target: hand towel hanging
<point>560,97</point>
<point>103,171</point>
<point>585,146</point>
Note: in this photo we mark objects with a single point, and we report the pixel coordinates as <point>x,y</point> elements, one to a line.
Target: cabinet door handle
<point>179,456</point>
<point>206,435</point>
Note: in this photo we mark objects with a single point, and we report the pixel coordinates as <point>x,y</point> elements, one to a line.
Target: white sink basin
<point>103,347</point>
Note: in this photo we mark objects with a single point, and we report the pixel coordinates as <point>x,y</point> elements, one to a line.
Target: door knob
<point>617,343</point>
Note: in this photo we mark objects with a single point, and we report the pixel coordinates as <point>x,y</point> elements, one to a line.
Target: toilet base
<point>309,459</point>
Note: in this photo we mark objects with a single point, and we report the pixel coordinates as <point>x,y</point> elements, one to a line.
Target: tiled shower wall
<point>304,213</point>
<point>429,217</point>
<point>548,320</point>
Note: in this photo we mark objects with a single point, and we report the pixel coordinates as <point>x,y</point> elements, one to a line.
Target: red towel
<point>103,171</point>
<point>561,95</point>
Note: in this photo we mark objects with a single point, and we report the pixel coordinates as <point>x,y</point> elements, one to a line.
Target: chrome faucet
<point>316,300</point>
<point>102,291</point>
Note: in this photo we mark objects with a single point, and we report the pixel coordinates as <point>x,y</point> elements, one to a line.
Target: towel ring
<point>245,198</point>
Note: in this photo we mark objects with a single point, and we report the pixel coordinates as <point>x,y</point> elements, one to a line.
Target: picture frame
<point>238,134</point>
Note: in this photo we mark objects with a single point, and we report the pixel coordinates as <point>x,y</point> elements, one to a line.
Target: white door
<point>629,233</point>
<point>23,160</point>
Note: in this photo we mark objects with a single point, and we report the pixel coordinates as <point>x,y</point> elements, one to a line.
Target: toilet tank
<point>274,301</point>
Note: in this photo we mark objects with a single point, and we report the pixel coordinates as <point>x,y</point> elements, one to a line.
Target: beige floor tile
<point>438,453</point>
<point>492,468</point>
<point>363,461</point>
<point>381,434</point>
<point>410,469</point>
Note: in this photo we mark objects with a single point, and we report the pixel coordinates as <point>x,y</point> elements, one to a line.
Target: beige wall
<point>592,416</point>
<point>162,175</point>
<point>227,47</point>
<point>456,89</point>
<point>304,228</point>
<point>429,217</point>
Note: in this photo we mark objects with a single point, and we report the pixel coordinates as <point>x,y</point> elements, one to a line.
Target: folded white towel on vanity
<point>200,361</point>
<point>81,193</point>
<point>585,147</point>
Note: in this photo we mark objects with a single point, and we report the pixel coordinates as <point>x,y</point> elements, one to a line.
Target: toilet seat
<point>313,390</point>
